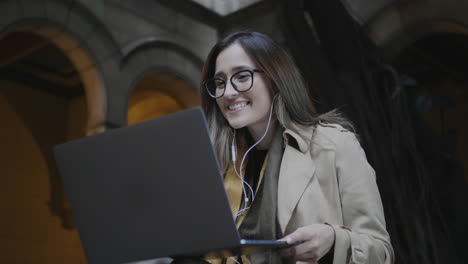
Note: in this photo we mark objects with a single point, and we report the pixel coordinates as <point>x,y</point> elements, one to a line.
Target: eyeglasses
<point>241,81</point>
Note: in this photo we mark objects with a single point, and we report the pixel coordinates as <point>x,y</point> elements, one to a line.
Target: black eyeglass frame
<point>251,71</point>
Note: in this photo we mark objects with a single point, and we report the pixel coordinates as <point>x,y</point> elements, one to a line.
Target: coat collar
<point>302,136</point>
<point>297,170</point>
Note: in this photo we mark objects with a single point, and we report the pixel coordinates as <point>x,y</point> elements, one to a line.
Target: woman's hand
<point>317,239</point>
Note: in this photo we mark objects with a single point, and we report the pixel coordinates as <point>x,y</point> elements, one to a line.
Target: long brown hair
<point>292,104</point>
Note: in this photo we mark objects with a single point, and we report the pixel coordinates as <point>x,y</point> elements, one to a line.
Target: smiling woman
<point>290,173</point>
<point>245,101</point>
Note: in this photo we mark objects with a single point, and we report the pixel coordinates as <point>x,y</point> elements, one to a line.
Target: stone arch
<point>160,43</point>
<point>82,38</point>
<point>402,23</point>
<point>149,57</point>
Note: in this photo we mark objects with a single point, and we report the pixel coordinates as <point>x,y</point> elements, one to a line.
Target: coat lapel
<point>297,169</point>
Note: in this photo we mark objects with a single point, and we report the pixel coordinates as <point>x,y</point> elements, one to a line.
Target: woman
<point>290,173</point>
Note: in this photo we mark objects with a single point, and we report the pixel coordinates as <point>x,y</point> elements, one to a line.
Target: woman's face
<point>249,109</point>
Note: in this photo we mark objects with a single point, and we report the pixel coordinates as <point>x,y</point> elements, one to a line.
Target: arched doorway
<point>160,93</point>
<point>434,78</point>
<point>44,101</point>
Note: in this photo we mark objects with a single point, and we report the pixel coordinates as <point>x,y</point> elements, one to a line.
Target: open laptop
<point>151,190</point>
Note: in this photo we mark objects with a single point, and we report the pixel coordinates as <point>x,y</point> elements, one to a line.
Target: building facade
<point>73,68</point>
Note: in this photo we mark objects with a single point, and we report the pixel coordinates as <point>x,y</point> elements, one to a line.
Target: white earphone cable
<point>239,174</point>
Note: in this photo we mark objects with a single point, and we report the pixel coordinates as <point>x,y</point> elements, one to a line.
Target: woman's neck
<point>258,132</point>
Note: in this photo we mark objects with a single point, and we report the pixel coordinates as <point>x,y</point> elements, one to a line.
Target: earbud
<point>233,153</point>
<point>234,149</point>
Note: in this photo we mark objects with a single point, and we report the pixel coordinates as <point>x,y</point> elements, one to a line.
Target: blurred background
<point>397,68</point>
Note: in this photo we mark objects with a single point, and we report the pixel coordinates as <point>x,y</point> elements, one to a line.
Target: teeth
<point>237,106</point>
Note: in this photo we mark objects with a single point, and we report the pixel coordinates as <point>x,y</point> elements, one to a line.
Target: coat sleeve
<point>363,238</point>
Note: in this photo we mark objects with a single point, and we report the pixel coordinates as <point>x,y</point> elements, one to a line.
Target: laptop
<point>150,190</point>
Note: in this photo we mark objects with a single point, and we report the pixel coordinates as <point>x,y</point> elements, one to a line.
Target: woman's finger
<point>301,234</point>
<point>287,252</point>
<point>307,257</point>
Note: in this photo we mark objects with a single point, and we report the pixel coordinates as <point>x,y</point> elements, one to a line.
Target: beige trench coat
<point>330,181</point>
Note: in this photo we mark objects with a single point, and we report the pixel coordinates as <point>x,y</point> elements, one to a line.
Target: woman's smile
<point>237,106</point>
<point>249,108</point>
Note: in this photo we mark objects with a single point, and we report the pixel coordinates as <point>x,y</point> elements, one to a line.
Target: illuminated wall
<point>158,94</point>
<point>32,122</point>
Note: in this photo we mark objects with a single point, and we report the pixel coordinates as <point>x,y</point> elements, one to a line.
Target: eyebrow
<point>237,68</point>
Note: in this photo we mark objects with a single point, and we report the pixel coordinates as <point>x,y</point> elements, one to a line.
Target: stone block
<point>184,67</point>
<point>176,61</point>
<point>140,61</point>
<point>117,101</point>
<point>152,11</point>
<point>33,8</point>
<point>190,28</point>
<point>111,73</point>
<point>82,60</point>
<point>157,57</point>
<point>130,26</point>
<point>50,33</point>
<point>82,22</point>
<point>97,7</point>
<point>10,12</point>
<point>65,41</point>
<point>134,68</point>
<point>102,47</point>
<point>58,10</point>
<point>194,74</point>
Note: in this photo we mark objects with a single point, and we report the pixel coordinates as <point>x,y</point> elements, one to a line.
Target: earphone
<point>234,158</point>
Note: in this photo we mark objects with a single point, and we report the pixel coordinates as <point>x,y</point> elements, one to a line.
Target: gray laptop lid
<point>149,190</point>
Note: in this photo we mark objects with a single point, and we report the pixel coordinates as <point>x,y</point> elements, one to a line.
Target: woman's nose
<point>230,91</point>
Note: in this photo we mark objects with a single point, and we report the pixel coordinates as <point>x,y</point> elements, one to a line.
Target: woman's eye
<point>219,84</point>
<point>243,77</point>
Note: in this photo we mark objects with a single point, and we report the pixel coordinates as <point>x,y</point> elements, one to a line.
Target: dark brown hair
<point>292,104</point>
